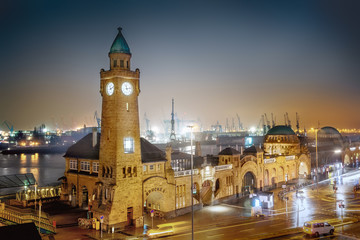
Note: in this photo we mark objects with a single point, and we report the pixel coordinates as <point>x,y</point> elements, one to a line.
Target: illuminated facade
<point>121,176</point>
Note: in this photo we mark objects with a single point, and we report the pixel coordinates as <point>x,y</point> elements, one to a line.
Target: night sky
<point>216,58</point>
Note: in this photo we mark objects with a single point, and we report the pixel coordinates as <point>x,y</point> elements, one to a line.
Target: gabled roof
<point>84,149</point>
<point>229,151</point>
<point>150,153</point>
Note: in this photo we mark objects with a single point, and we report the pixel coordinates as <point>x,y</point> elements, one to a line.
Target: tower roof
<point>281,130</point>
<point>120,45</point>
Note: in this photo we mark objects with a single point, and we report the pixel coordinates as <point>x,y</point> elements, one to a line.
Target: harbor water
<point>46,168</point>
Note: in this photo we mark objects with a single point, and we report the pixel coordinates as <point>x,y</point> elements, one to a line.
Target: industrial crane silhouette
<point>7,124</point>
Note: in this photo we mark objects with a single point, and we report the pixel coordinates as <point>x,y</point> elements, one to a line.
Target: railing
<point>21,216</point>
<point>186,173</point>
<point>223,167</point>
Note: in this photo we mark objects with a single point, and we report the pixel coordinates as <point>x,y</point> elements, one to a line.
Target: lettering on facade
<point>158,189</point>
<point>292,157</point>
<point>269,160</point>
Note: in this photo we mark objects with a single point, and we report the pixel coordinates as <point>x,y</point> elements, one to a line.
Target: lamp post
<point>35,195</point>
<point>317,161</point>
<point>40,215</point>
<point>192,184</point>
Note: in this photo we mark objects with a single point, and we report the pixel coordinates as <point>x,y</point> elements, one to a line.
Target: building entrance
<point>249,183</point>
<point>85,197</point>
<point>129,216</point>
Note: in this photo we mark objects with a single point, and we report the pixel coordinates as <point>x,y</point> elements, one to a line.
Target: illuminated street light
<point>192,184</point>
<point>316,157</point>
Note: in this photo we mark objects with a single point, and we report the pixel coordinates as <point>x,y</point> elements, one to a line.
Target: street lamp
<point>192,184</point>
<point>35,195</point>
<point>316,157</point>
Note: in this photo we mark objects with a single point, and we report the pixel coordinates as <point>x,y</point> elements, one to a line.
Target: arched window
<point>217,185</point>
<point>107,171</point>
<point>129,172</point>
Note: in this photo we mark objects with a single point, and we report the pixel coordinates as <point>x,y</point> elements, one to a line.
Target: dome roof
<point>120,45</point>
<point>329,131</point>
<point>281,130</point>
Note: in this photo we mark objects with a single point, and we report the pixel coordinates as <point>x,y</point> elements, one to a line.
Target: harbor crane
<point>297,123</point>
<point>267,122</point>
<point>11,129</point>
<point>239,122</point>
<point>98,120</point>
<point>172,134</point>
<point>288,120</point>
<point>272,120</point>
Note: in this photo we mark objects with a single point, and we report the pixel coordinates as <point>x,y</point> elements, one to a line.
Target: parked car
<point>318,227</point>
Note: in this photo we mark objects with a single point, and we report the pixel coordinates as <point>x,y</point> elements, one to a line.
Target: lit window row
<point>85,166</point>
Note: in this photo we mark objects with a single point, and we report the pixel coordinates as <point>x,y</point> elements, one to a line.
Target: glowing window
<point>85,166</point>
<point>95,167</point>
<point>128,145</point>
<point>73,164</point>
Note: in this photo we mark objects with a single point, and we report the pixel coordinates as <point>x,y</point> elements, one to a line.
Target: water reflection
<point>35,157</point>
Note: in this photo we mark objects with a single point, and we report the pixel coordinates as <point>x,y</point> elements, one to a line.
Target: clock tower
<point>120,168</point>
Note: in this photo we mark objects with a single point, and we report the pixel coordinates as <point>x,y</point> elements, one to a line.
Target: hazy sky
<point>216,58</point>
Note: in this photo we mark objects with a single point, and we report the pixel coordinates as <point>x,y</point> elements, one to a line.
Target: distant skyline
<point>215,58</point>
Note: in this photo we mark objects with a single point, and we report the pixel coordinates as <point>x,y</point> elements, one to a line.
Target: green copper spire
<point>120,45</point>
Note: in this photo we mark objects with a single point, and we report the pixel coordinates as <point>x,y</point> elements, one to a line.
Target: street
<point>285,221</point>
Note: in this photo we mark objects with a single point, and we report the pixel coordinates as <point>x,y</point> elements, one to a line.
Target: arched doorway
<point>303,170</point>
<point>206,192</point>
<point>85,197</point>
<point>155,201</point>
<point>249,183</point>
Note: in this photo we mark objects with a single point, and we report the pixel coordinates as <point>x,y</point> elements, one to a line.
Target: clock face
<point>110,88</point>
<point>127,88</point>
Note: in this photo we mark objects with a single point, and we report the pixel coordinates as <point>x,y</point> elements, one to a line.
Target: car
<point>167,229</point>
<point>160,231</point>
<point>318,227</point>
